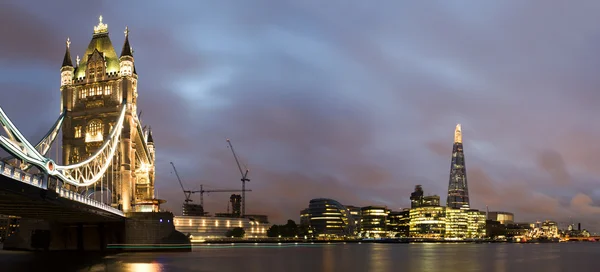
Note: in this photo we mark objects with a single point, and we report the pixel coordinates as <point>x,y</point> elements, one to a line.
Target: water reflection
<point>348,257</point>
<point>143,267</point>
<point>379,259</point>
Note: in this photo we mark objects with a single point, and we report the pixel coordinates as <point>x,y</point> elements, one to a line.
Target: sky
<point>350,100</point>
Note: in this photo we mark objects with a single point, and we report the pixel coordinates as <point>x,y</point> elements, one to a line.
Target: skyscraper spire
<point>458,134</point>
<point>458,189</point>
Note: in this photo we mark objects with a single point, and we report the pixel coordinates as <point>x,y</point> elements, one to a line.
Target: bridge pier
<point>80,237</point>
<point>138,232</point>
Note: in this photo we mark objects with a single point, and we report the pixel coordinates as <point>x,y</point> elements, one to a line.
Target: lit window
<point>94,131</point>
<point>78,132</point>
<point>107,90</point>
<point>83,93</point>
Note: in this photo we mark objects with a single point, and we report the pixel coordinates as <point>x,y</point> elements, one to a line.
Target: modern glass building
<point>398,223</point>
<point>458,189</point>
<point>476,223</point>
<point>330,218</point>
<point>373,221</point>
<point>457,223</point>
<point>428,222</point>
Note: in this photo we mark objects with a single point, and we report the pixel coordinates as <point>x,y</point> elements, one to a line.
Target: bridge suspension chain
<point>81,174</point>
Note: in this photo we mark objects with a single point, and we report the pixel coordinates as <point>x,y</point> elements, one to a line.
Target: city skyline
<point>333,107</point>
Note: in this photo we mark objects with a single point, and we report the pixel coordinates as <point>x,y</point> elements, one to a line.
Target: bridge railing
<point>85,200</point>
<point>18,174</point>
<point>37,181</point>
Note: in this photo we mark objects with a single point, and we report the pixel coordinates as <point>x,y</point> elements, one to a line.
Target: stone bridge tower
<point>93,92</point>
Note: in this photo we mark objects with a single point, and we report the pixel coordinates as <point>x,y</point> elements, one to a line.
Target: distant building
<point>518,229</point>
<point>502,217</point>
<point>236,205</point>
<point>457,223</point>
<point>305,217</point>
<point>428,222</point>
<point>206,227</point>
<point>193,210</point>
<point>418,199</point>
<point>458,189</point>
<point>330,218</point>
<point>355,216</point>
<point>373,221</point>
<point>445,222</point>
<point>476,224</point>
<point>398,223</point>
<point>432,200</point>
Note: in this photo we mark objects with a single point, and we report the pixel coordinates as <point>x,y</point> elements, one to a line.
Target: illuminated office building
<point>373,221</point>
<point>476,224</point>
<point>458,189</point>
<point>428,222</point>
<point>355,216</point>
<point>457,223</point>
<point>330,218</point>
<point>398,223</point>
<point>203,227</point>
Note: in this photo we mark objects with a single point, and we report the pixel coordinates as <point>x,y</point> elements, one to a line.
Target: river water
<point>326,257</point>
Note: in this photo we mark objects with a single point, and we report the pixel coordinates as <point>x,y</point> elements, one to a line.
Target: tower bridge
<point>107,168</point>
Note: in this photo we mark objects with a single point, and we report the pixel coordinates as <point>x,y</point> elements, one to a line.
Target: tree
<point>273,231</point>
<point>236,232</point>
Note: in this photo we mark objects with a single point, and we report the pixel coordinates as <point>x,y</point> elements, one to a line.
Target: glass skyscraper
<point>458,190</point>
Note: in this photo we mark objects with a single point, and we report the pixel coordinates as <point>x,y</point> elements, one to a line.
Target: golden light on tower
<point>458,134</point>
<point>101,27</point>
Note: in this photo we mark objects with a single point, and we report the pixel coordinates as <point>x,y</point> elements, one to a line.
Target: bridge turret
<point>66,71</point>
<point>126,60</point>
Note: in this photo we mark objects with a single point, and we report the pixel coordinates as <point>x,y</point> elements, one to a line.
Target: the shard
<point>458,189</point>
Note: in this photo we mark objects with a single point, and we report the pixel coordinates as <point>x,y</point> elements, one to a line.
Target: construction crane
<point>244,178</point>
<point>186,193</point>
<point>202,191</point>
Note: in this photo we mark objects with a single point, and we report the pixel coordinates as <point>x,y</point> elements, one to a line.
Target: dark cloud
<point>553,163</point>
<point>354,102</point>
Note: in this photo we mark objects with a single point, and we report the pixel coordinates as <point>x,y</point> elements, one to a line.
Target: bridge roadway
<point>25,195</point>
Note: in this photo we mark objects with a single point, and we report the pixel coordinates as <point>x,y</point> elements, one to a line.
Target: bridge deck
<point>21,199</point>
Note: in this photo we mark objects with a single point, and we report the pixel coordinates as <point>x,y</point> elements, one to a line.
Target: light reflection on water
<point>338,257</point>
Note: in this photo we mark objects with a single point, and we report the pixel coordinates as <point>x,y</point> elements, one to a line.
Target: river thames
<point>326,257</point>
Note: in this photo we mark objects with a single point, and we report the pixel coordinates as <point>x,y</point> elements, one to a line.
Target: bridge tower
<point>93,93</point>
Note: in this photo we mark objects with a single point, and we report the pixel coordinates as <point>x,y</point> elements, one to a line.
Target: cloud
<point>583,204</point>
<point>356,103</point>
<point>553,163</point>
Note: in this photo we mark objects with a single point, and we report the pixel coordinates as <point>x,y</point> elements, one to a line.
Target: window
<point>94,131</point>
<point>107,90</point>
<point>78,132</point>
<point>83,93</point>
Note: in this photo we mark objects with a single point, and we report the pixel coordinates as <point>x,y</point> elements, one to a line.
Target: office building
<point>329,218</point>
<point>373,221</point>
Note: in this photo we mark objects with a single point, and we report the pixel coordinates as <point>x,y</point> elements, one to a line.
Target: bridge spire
<point>67,59</point>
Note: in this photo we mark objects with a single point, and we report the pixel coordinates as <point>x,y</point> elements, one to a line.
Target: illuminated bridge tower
<point>93,92</point>
<point>458,189</point>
